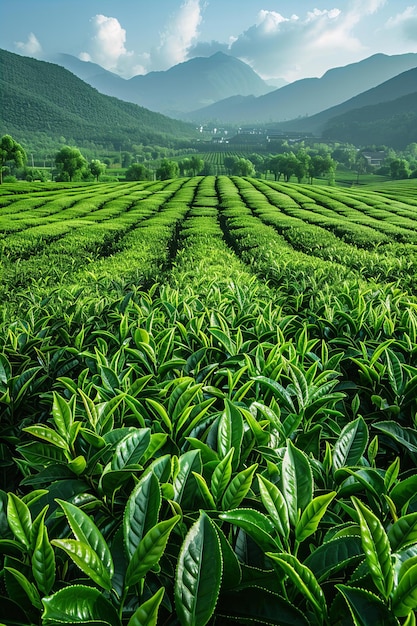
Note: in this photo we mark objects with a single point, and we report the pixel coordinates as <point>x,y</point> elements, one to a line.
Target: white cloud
<point>108,48</point>
<point>31,47</point>
<point>404,24</point>
<point>179,35</point>
<point>290,47</point>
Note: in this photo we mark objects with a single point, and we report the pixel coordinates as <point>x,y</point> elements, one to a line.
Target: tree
<point>320,165</point>
<point>69,162</point>
<point>137,171</point>
<point>399,168</point>
<point>196,165</point>
<point>10,150</point>
<point>97,168</point>
<point>167,169</point>
<point>243,167</point>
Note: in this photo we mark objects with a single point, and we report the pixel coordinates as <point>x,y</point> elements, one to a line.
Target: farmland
<point>208,393</point>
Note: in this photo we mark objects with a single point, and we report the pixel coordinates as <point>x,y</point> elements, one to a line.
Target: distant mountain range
<point>39,97</point>
<point>184,87</point>
<point>308,96</point>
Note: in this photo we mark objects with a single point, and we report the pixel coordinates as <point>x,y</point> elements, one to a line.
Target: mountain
<point>390,90</point>
<point>40,97</point>
<point>392,123</point>
<point>308,96</point>
<point>190,85</point>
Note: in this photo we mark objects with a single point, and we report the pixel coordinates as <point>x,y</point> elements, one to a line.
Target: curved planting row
<point>209,426</point>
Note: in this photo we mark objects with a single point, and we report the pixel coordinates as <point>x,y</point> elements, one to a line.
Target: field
<point>208,394</point>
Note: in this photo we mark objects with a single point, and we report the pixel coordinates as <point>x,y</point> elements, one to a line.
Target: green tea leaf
<point>78,604</point>
<point>275,504</point>
<point>297,481</point>
<point>199,573</point>
<point>87,532</point>
<point>238,488</point>
<point>87,560</point>
<point>43,562</point>
<point>312,515</point>
<point>19,519</point>
<point>351,444</point>
<point>149,550</point>
<point>376,548</point>
<point>141,511</point>
<point>366,608</point>
<point>147,613</point>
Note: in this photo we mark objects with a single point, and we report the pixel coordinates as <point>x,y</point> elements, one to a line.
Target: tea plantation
<point>208,403</point>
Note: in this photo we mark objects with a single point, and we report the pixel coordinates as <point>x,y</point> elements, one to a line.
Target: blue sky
<point>279,39</point>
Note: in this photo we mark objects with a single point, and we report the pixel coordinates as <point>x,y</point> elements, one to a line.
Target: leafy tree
<point>184,166</point>
<point>137,171</point>
<point>229,163</point>
<point>196,165</point>
<point>320,165</point>
<point>243,167</point>
<point>97,168</point>
<point>10,150</point>
<point>399,168</point>
<point>167,169</point>
<point>69,162</point>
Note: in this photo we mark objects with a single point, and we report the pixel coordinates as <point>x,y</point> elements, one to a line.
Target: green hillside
<point>39,97</point>
<point>391,123</point>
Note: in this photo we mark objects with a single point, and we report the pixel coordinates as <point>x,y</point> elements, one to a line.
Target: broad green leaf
<point>404,599</point>
<point>87,560</point>
<point>304,580</point>
<point>78,604</point>
<point>209,502</point>
<point>43,562</point>
<point>366,608</point>
<point>28,587</point>
<point>141,511</point>
<point>230,432</point>
<point>62,413</point>
<point>406,437</point>
<point>404,491</point>
<point>149,550</point>
<point>87,532</point>
<point>199,573</point>
<point>221,476</point>
<point>255,524</point>
<point>275,504</point>
<point>47,434</point>
<point>238,488</point>
<point>232,570</point>
<point>334,555</point>
<point>351,444</point>
<point>131,448</point>
<point>19,519</point>
<point>376,548</point>
<point>391,474</point>
<point>147,613</point>
<point>184,482</point>
<point>403,532</point>
<point>279,391</point>
<point>297,481</point>
<point>312,515</point>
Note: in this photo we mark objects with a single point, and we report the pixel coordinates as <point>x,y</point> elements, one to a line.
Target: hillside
<point>401,85</point>
<point>389,123</point>
<point>309,96</point>
<point>39,97</point>
<point>190,85</point>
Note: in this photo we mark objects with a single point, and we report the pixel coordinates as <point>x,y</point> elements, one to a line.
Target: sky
<point>289,39</point>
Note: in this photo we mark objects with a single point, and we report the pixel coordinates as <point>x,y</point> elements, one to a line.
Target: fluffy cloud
<point>280,46</point>
<point>108,49</point>
<point>178,36</point>
<point>31,47</point>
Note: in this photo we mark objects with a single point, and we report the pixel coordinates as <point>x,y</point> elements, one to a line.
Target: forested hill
<point>389,123</point>
<point>39,97</point>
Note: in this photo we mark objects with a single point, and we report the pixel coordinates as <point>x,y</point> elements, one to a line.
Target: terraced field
<point>208,404</point>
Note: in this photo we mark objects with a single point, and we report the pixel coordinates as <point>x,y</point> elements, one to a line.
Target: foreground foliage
<point>200,422</point>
